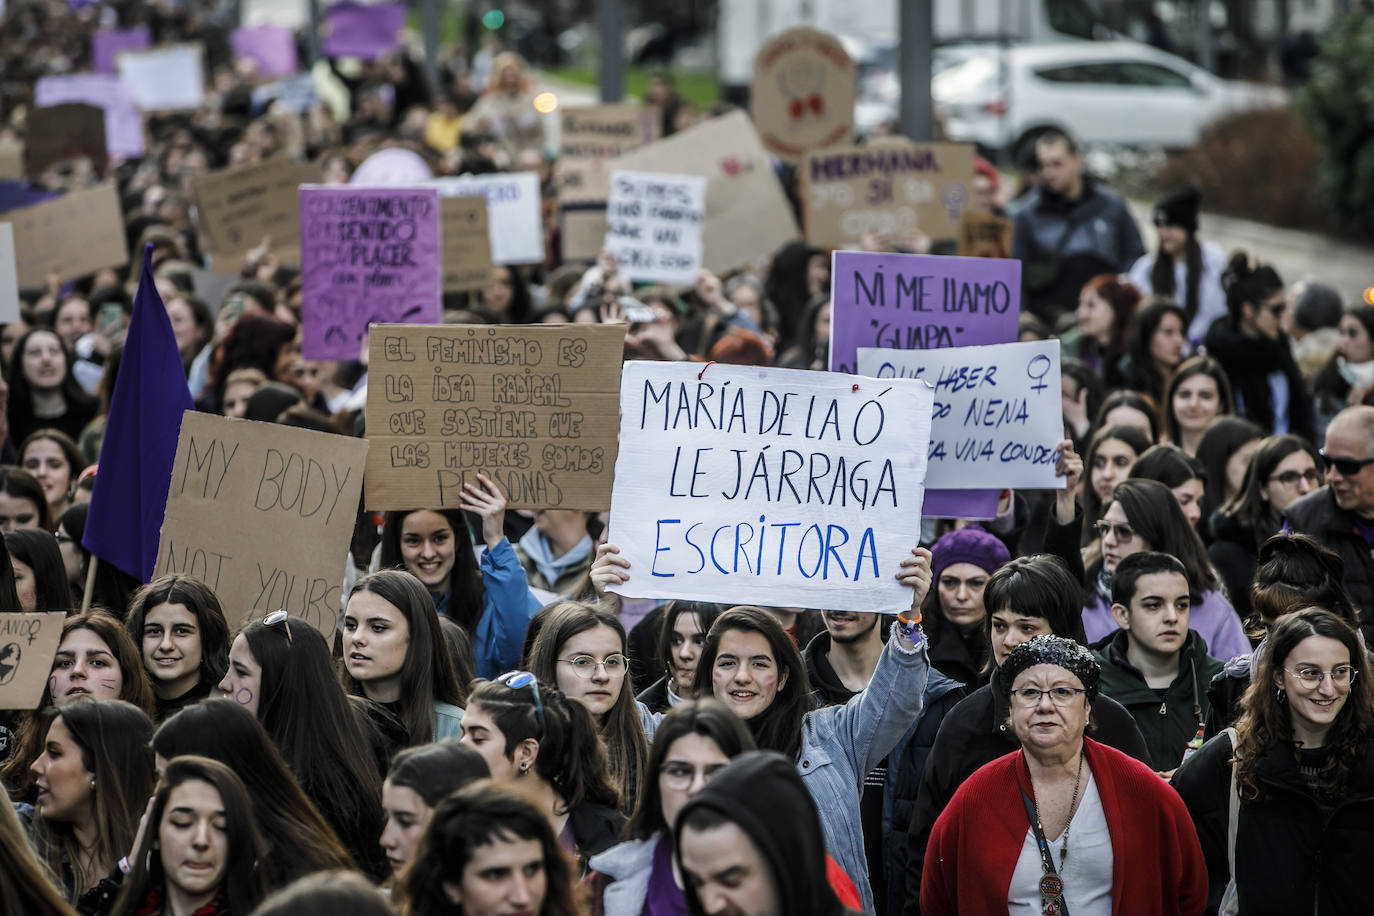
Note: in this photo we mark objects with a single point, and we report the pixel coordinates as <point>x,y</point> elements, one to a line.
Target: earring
<point>1283,695</point>
<point>92,783</point>
<point>524,768</point>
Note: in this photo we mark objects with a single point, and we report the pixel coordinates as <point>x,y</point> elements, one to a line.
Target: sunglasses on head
<point>279,619</point>
<point>517,679</point>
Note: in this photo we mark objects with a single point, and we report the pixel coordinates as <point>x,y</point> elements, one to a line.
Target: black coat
<point>1248,361</point>
<point>655,696</point>
<point>1318,515</point>
<point>974,734</point>
<point>595,829</point>
<point>1292,856</point>
<point>1233,554</point>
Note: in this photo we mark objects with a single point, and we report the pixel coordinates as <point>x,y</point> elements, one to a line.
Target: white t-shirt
<point>1087,870</point>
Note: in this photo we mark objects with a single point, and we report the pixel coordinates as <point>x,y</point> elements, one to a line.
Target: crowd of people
<point>1146,692</point>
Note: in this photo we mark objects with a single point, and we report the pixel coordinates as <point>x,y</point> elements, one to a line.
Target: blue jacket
<point>448,721</point>
<point>507,607</point>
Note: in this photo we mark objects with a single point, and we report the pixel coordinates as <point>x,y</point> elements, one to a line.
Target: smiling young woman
<point>184,639</point>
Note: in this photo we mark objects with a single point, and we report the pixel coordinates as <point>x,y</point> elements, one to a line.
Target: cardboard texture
<point>237,207</point>
<point>802,97</point>
<point>73,235</point>
<point>11,160</point>
<point>123,121</point>
<point>62,132</point>
<point>533,407</point>
<point>263,514</point>
<point>590,138</point>
<point>467,246</point>
<point>747,215</point>
<point>982,235</point>
<point>368,256</point>
<point>581,231</point>
<point>28,643</point>
<point>169,78</point>
<point>654,225</point>
<point>893,189</point>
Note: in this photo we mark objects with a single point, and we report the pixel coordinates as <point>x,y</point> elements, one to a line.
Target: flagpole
<point>90,583</point>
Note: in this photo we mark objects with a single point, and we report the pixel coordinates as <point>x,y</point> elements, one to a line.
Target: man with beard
<point>839,664</point>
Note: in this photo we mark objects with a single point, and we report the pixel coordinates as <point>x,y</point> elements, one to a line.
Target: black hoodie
<point>761,793</point>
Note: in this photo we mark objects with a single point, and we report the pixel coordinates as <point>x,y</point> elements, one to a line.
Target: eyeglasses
<point>584,666</point>
<point>517,679</point>
<point>1122,532</point>
<point>1290,478</point>
<point>1348,467</point>
<point>279,618</point>
<point>680,775</point>
<point>1311,678</point>
<point>1029,697</point>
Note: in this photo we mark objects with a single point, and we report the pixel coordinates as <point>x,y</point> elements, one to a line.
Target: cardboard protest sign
<point>362,30</point>
<point>106,44</point>
<point>747,215</point>
<point>515,222</point>
<point>368,256</point>
<point>892,189</point>
<point>654,225</point>
<point>9,276</point>
<point>780,487</point>
<point>467,244</point>
<point>263,514</point>
<point>72,235</point>
<point>169,78</point>
<point>802,97</point>
<point>997,412</point>
<point>533,407</point>
<point>61,132</point>
<point>28,643</point>
<point>123,122</point>
<point>581,231</point>
<point>984,235</point>
<point>237,207</point>
<point>11,160</point>
<point>272,49</point>
<point>589,139</point>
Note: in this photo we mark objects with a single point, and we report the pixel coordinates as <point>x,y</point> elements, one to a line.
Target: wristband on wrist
<point>908,626</point>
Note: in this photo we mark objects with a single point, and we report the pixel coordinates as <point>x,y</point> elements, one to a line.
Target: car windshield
<point>967,77</point>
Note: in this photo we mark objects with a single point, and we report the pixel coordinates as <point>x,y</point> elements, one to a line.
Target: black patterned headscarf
<point>1051,650</point>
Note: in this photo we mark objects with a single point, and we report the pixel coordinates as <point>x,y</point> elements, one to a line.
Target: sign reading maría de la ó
<point>533,407</point>
<point>779,487</point>
<point>997,409</point>
<point>263,513</point>
<point>919,302</point>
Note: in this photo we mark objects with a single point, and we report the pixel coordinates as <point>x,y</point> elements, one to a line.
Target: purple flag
<point>368,256</point>
<point>130,496</point>
<point>273,47</point>
<point>923,302</point>
<point>123,120</point>
<point>366,31</point>
<point>106,43</point>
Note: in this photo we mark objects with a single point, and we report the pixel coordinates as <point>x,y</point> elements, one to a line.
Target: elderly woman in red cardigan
<point>1065,825</point>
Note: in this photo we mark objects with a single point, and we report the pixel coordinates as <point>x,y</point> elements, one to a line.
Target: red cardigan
<point>1157,865</point>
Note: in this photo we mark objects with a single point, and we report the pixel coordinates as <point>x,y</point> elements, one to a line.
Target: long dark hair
<point>706,717</point>
<point>1247,282</point>
<point>620,727</point>
<point>75,462</point>
<point>22,419</point>
<point>427,673</point>
<point>200,600</point>
<point>1093,506</point>
<point>1249,510</point>
<point>1266,722</point>
<point>706,613</point>
<point>19,483</point>
<point>1222,439</point>
<point>1125,397</point>
<point>25,884</point>
<point>299,839</point>
<point>572,756</point>
<point>242,882</point>
<point>1154,514</point>
<point>479,815</point>
<point>1122,297</point>
<point>1294,571</point>
<point>1196,365</point>
<point>1143,328</point>
<point>433,771</point>
<point>465,581</point>
<point>254,342</point>
<point>1162,276</point>
<point>779,727</point>
<point>309,718</point>
<point>38,550</point>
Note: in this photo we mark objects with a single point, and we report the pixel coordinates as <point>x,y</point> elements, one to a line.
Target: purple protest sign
<point>271,47</point>
<point>123,120</point>
<point>106,43</point>
<point>368,256</point>
<point>923,302</point>
<point>366,31</point>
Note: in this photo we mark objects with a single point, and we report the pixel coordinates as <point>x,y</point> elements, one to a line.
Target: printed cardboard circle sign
<point>803,93</point>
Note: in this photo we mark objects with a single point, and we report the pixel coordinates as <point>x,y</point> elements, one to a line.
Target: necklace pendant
<point>1051,886</point>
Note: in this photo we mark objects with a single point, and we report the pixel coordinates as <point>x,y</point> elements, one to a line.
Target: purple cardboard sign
<point>271,47</point>
<point>368,256</point>
<point>106,43</point>
<point>923,302</point>
<point>356,30</point>
<point>123,120</point>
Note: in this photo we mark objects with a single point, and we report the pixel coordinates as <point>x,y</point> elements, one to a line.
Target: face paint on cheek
<point>110,685</point>
<point>244,696</point>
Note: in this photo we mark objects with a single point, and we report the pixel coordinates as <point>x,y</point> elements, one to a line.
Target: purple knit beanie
<point>968,545</point>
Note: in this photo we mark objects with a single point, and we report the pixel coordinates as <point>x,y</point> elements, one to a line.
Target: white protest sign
<point>779,487</point>
<point>653,225</point>
<point>170,78</point>
<point>9,276</point>
<point>514,219</point>
<point>998,419</point>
